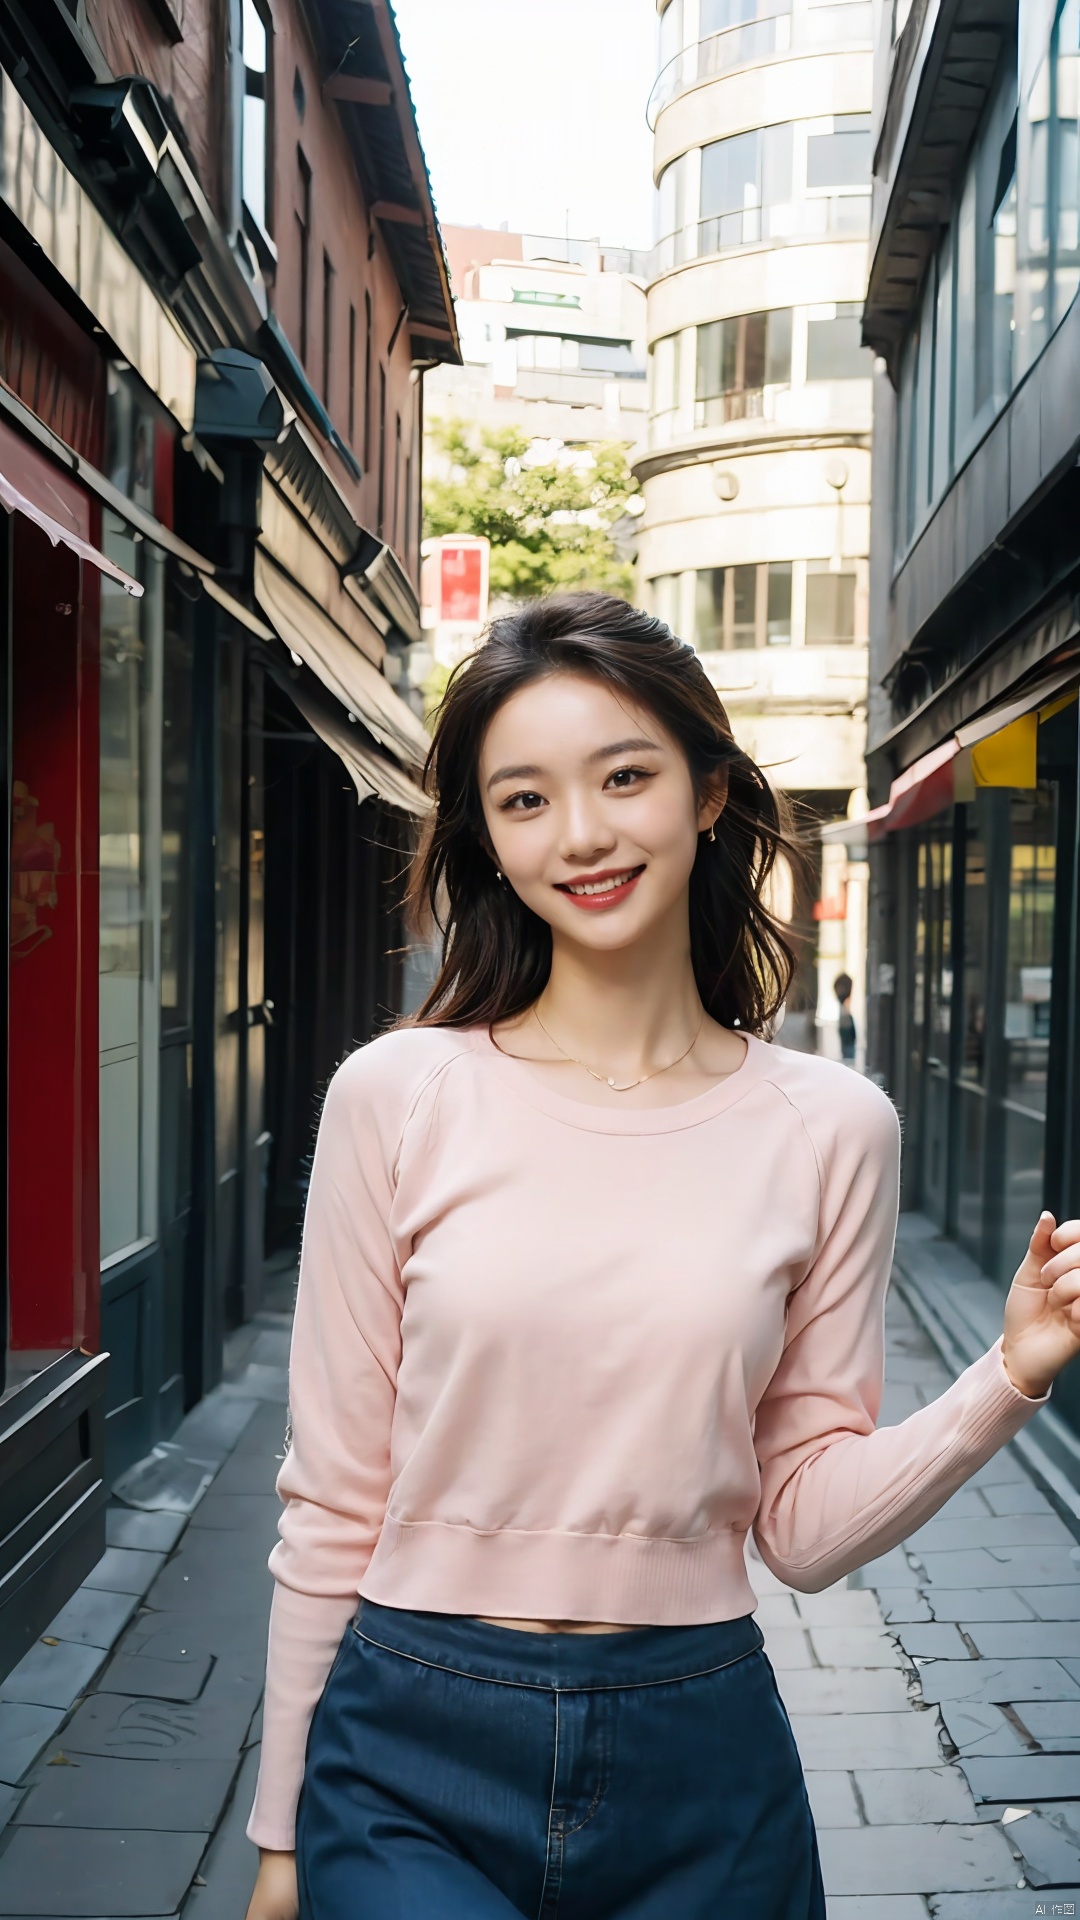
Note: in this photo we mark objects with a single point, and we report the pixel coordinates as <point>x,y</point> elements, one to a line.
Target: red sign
<point>461,584</point>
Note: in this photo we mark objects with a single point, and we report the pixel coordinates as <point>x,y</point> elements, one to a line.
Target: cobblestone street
<point>935,1697</point>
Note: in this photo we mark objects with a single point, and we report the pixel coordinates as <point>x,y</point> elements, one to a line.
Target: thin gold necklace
<point>608,1080</point>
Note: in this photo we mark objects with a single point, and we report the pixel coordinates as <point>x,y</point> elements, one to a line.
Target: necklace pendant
<point>611,1081</point>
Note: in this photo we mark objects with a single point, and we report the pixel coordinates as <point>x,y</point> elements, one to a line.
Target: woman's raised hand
<point>1042,1313</point>
<point>275,1896</point>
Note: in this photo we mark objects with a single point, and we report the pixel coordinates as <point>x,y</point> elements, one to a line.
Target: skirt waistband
<point>559,1662</point>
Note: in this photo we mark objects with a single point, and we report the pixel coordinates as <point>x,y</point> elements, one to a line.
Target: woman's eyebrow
<point>514,773</point>
<point>638,744</point>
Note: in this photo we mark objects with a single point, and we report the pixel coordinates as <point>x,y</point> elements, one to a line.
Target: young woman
<point>591,1288</point>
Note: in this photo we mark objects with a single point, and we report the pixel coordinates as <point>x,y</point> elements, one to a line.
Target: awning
<point>999,749</point>
<point>343,669</point>
<point>372,774</point>
<point>32,485</point>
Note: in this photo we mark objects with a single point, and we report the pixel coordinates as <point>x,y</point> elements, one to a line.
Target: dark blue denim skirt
<point>457,1771</point>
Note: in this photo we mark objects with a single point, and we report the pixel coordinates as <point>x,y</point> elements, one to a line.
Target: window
<point>380,516</point>
<point>610,357</point>
<point>830,605</point>
<point>129,899</point>
<point>397,477</point>
<point>352,374</point>
<point>666,363</point>
<point>674,229</point>
<point>718,15</point>
<point>842,158</point>
<point>778,604</point>
<point>736,360</point>
<point>1006,269</point>
<point>834,349</point>
<point>665,599</point>
<point>366,462</point>
<point>327,324</point>
<point>255,141</point>
<point>671,33</point>
<point>742,607</point>
<point>741,177</point>
<point>303,222</point>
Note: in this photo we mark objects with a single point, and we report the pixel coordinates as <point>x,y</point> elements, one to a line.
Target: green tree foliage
<point>549,511</point>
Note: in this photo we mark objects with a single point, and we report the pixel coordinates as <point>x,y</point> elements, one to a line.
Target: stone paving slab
<point>1022,1778</point>
<point>997,1680</point>
<point>1053,1603</point>
<point>832,1799</point>
<point>93,1618</point>
<point>825,1690</point>
<point>899,1796</point>
<point>1016,1640</point>
<point>892,1906</point>
<point>124,1570</point>
<point>839,1607</point>
<point>52,1675</point>
<point>156,1795</point>
<point>1050,1847</point>
<point>134,1673</point>
<point>987,1906</point>
<point>982,1603</point>
<point>867,1740</point>
<point>129,1727</point>
<point>862,1647</point>
<point>938,1641</point>
<point>991,1530</point>
<point>148,1532</point>
<point>1007,1567</point>
<point>1055,1724</point>
<point>235,1513</point>
<point>904,1603</point>
<point>79,1872</point>
<point>24,1731</point>
<point>976,1727</point>
<point>1022,1497</point>
<point>230,1863</point>
<point>915,1859</point>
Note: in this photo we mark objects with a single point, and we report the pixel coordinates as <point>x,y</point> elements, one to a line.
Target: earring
<point>499,878</point>
<point>712,834</point>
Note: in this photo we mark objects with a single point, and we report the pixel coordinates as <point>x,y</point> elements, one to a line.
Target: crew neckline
<point>640,1120</point>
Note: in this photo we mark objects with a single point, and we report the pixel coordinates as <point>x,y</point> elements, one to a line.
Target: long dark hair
<point>496,952</point>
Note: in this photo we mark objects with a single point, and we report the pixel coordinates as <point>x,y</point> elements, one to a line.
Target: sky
<point>532,112</point>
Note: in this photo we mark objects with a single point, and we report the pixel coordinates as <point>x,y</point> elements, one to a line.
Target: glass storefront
<point>988,885</point>
<point>129,945</point>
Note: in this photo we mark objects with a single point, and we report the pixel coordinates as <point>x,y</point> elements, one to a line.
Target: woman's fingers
<point>1061,1264</point>
<point>1067,1235</point>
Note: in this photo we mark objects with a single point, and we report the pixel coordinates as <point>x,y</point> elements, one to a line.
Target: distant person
<point>843,987</point>
<point>591,1286</point>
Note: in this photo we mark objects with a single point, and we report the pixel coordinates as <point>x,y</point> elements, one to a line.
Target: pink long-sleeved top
<point>554,1360</point>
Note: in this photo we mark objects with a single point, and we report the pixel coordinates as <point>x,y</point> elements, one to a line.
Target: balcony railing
<point>822,217</point>
<point>773,30</point>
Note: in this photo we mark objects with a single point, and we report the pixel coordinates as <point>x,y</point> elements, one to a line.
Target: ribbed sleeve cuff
<point>996,1409</point>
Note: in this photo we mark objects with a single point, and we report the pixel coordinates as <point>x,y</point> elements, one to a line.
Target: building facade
<point>975,626</point>
<point>552,337</point>
<point>755,539</point>
<point>220,284</point>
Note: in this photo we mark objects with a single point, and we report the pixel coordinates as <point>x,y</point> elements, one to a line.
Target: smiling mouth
<point>602,888</point>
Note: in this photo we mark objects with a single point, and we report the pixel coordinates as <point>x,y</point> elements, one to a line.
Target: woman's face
<point>590,810</point>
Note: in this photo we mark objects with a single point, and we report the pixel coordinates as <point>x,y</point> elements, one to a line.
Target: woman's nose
<point>586,832</point>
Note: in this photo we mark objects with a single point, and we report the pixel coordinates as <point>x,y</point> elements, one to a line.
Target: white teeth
<point>604,886</point>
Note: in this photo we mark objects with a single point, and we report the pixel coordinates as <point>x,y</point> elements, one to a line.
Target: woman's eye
<point>625,777</point>
<point>522,803</point>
